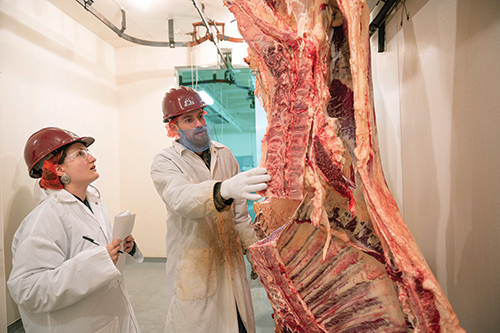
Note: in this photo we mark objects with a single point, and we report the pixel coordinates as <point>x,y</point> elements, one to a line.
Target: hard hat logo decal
<point>188,102</point>
<point>179,101</point>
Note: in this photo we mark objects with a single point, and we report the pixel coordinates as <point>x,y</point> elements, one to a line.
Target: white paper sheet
<point>122,228</point>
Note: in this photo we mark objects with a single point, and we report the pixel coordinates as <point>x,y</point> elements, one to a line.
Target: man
<point>208,226</point>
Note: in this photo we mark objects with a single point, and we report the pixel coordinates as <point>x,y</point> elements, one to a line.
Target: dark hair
<point>37,169</point>
<point>63,155</point>
<point>64,148</point>
<point>171,118</point>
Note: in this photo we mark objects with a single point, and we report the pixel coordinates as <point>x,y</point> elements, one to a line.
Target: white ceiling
<point>148,19</point>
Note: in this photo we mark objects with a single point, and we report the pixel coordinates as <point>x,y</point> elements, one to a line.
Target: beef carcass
<point>335,254</point>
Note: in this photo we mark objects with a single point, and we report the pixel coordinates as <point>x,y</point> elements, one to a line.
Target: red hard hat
<point>41,144</point>
<point>179,101</point>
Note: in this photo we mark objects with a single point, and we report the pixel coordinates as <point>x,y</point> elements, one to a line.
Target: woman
<point>62,278</point>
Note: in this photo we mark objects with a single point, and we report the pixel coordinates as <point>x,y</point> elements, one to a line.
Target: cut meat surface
<point>347,291</point>
<point>335,254</point>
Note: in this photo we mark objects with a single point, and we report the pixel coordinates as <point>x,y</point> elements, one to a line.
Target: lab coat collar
<point>96,214</point>
<point>65,196</point>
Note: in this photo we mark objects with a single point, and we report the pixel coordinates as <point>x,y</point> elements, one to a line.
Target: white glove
<point>243,184</point>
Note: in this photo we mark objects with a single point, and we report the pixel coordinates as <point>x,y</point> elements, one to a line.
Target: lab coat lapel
<point>199,171</point>
<point>65,196</point>
<point>214,152</point>
<point>97,215</point>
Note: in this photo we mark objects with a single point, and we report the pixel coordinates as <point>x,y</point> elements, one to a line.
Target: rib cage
<point>336,254</point>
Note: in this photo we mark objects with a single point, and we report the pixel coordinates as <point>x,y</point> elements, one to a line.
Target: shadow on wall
<point>421,202</point>
<point>19,206</point>
<point>387,137</point>
<point>399,15</point>
<point>473,228</point>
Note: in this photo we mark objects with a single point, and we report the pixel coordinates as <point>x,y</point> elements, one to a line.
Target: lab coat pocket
<point>112,327</point>
<point>197,277</point>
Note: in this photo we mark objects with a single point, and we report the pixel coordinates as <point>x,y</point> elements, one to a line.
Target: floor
<point>146,285</point>
<point>147,298</point>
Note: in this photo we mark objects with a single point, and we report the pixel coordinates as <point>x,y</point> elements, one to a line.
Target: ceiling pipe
<point>209,31</point>
<point>87,4</point>
<point>124,19</point>
<point>227,63</point>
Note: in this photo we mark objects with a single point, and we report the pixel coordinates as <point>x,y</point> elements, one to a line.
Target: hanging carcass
<point>335,254</point>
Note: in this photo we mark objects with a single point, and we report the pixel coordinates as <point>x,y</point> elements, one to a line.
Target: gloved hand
<point>243,184</point>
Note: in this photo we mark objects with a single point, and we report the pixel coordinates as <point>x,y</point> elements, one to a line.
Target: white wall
<point>53,72</point>
<point>437,102</point>
<point>143,76</point>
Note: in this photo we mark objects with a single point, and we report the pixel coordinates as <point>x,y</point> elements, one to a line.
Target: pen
<point>93,242</point>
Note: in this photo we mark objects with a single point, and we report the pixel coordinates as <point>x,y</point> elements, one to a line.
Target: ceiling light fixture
<point>206,97</point>
<point>143,4</point>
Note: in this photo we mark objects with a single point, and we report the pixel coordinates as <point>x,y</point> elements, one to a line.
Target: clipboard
<point>122,228</point>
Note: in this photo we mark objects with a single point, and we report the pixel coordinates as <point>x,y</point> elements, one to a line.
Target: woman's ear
<point>60,170</point>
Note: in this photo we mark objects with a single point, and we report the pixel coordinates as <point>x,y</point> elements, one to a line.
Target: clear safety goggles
<point>80,154</point>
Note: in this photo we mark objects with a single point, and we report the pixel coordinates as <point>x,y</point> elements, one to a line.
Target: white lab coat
<point>63,283</point>
<point>205,266</point>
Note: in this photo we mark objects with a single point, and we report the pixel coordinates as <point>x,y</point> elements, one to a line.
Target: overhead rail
<point>87,4</point>
<point>230,77</point>
<point>378,23</point>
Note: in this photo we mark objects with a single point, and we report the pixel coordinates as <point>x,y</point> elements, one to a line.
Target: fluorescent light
<point>143,4</point>
<point>206,97</point>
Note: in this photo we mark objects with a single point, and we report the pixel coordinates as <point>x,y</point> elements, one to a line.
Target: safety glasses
<point>80,154</point>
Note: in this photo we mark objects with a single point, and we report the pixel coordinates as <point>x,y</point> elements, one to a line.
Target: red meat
<point>335,254</point>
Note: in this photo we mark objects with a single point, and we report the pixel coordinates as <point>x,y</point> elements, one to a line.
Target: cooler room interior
<point>435,79</point>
